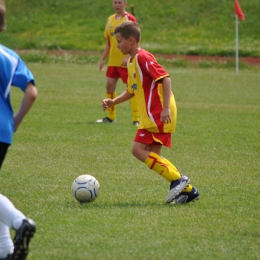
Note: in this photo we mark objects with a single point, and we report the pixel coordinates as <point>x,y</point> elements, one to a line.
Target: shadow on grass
<point>96,205</point>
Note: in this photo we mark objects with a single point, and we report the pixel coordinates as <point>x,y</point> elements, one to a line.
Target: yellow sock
<point>170,164</point>
<point>135,109</point>
<point>111,112</point>
<point>189,187</point>
<point>158,164</point>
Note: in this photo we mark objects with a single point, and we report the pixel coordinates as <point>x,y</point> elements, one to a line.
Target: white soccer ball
<point>85,188</point>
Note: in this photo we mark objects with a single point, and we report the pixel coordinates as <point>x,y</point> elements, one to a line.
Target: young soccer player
<point>13,72</point>
<point>150,83</point>
<point>117,61</point>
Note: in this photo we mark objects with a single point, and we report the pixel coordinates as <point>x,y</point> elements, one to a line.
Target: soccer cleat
<point>136,123</point>
<point>176,187</point>
<point>105,120</point>
<point>22,239</point>
<point>187,196</point>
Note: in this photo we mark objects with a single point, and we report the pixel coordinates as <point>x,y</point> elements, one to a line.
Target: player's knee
<point>134,152</point>
<point>137,153</point>
<point>110,88</point>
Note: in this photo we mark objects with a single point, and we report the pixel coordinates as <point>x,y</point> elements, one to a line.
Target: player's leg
<point>112,78</point>
<point>188,194</point>
<point>147,148</point>
<point>187,188</point>
<point>6,243</point>
<point>135,111</point>
<point>3,152</point>
<point>10,217</point>
<point>150,155</point>
<point>111,93</point>
<point>133,101</point>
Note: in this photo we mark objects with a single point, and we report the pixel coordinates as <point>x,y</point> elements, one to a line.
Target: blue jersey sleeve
<point>22,75</point>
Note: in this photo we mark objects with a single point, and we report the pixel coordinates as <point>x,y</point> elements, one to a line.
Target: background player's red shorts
<point>117,72</point>
<point>145,137</point>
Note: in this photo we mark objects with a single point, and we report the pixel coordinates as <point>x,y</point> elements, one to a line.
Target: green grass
<point>202,27</point>
<point>216,144</point>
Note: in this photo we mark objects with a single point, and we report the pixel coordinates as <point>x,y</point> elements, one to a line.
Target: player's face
<point>119,6</point>
<point>123,44</point>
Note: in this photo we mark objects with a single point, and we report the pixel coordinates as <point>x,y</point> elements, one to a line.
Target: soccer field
<point>216,144</point>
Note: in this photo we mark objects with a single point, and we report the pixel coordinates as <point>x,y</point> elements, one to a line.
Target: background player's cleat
<point>136,123</point>
<point>176,187</point>
<point>187,196</point>
<point>105,120</point>
<point>22,239</point>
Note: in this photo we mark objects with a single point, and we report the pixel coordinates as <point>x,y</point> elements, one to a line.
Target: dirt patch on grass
<point>254,61</point>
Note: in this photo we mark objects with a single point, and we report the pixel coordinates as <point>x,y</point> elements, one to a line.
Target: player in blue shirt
<point>13,72</point>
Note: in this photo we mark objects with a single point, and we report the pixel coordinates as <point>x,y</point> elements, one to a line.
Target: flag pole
<point>239,15</point>
<point>237,46</point>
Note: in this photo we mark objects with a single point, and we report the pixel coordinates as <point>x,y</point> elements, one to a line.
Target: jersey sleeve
<point>106,31</point>
<point>152,67</point>
<point>16,72</point>
<point>22,75</point>
<point>131,17</point>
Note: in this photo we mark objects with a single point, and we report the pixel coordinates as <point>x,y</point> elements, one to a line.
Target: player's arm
<point>119,99</point>
<point>166,113</point>
<point>104,56</point>
<point>30,95</point>
<point>125,60</point>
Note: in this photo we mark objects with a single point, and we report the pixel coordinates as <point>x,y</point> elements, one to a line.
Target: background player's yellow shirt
<point>144,74</point>
<point>115,55</point>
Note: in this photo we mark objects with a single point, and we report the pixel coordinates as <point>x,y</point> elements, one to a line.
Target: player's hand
<point>16,123</point>
<point>165,116</point>
<point>101,65</point>
<point>124,61</point>
<point>106,103</point>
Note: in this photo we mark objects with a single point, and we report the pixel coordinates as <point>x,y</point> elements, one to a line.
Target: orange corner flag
<point>239,11</point>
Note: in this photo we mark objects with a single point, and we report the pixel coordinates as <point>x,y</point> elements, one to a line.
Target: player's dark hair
<point>2,15</point>
<point>129,29</point>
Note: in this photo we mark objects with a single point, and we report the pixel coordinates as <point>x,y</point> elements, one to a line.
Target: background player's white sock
<point>9,215</point>
<point>6,243</point>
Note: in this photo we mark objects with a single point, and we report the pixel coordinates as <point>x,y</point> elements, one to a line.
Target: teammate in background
<point>13,72</point>
<point>151,84</point>
<point>117,61</point>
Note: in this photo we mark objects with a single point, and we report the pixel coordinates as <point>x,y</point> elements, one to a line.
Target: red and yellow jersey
<point>115,55</point>
<point>144,75</point>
